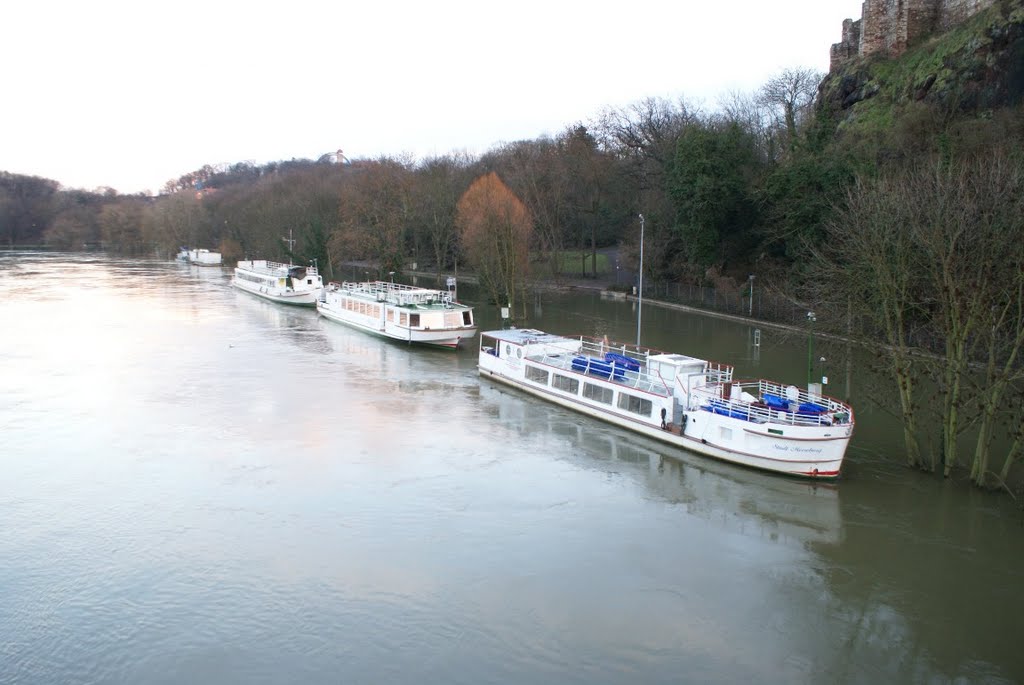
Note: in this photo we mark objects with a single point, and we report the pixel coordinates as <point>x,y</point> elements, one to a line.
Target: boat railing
<point>718,373</point>
<point>627,365</point>
<point>696,389</point>
<point>276,267</point>
<point>764,401</point>
<point>399,293</point>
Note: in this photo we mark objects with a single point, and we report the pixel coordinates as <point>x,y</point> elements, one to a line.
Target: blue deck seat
<point>623,361</point>
<point>598,367</point>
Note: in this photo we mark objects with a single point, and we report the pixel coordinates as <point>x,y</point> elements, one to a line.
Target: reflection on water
<point>200,485</point>
<point>776,508</point>
<point>298,325</point>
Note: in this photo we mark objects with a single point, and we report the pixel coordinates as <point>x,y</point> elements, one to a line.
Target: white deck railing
<point>274,268</point>
<point>764,401</point>
<point>594,351</point>
<point>398,293</point>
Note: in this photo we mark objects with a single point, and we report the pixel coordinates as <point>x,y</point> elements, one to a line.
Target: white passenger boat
<point>287,283</point>
<point>687,402</point>
<point>204,258</point>
<point>401,312</point>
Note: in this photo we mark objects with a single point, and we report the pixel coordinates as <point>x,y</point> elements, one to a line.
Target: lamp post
<point>640,292</point>
<point>751,312</point>
<point>810,348</point>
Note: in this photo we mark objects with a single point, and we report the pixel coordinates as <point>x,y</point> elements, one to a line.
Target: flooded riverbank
<point>201,485</point>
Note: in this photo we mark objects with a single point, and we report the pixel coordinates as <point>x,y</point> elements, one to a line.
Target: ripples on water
<point>200,486</point>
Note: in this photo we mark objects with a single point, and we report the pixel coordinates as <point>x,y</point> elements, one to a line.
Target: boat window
<point>536,375</point>
<point>565,384</point>
<point>414,320</point>
<point>391,315</point>
<point>467,318</point>
<point>598,393</point>
<point>508,349</point>
<point>403,319</point>
<point>634,404</point>
<point>519,352</point>
<point>725,433</point>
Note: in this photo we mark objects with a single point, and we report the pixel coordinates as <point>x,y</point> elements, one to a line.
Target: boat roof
<point>525,336</point>
<point>401,295</point>
<point>267,266</point>
<point>675,358</point>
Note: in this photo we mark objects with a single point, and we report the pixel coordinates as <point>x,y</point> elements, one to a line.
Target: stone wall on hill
<point>888,27</point>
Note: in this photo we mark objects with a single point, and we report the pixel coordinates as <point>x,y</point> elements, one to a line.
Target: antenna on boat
<point>290,241</point>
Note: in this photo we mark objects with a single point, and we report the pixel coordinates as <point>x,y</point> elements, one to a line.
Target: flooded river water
<point>200,486</point>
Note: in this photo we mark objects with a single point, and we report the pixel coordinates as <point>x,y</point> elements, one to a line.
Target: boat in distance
<point>199,257</point>
<point>286,283</point>
<point>203,257</point>
<point>398,311</point>
<point>687,402</point>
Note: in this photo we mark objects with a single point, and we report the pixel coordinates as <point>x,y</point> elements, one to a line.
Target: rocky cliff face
<point>974,64</point>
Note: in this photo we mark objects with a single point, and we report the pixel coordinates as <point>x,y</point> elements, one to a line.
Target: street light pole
<point>811,318</point>
<point>640,306</point>
<point>751,312</point>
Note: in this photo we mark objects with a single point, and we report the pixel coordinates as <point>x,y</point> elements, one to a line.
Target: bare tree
<point>754,116</point>
<point>535,171</point>
<point>177,220</point>
<point>438,182</point>
<point>870,269</point>
<point>374,215</point>
<point>646,132</point>
<point>790,96</point>
<point>932,259</point>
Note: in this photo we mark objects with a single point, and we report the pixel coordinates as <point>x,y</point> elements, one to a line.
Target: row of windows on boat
<point>597,393</point>
<point>412,320</point>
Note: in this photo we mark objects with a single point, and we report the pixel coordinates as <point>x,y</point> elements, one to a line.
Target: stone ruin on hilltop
<point>888,27</point>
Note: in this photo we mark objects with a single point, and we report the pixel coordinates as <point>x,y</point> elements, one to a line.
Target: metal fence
<point>766,306</point>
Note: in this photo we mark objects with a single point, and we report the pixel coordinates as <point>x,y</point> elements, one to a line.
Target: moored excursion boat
<point>684,401</point>
<point>287,283</point>
<point>398,311</point>
<point>204,258</point>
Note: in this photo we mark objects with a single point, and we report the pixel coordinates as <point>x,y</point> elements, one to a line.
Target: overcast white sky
<point>130,94</point>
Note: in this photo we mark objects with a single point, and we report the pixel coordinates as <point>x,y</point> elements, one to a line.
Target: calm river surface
<point>197,486</point>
